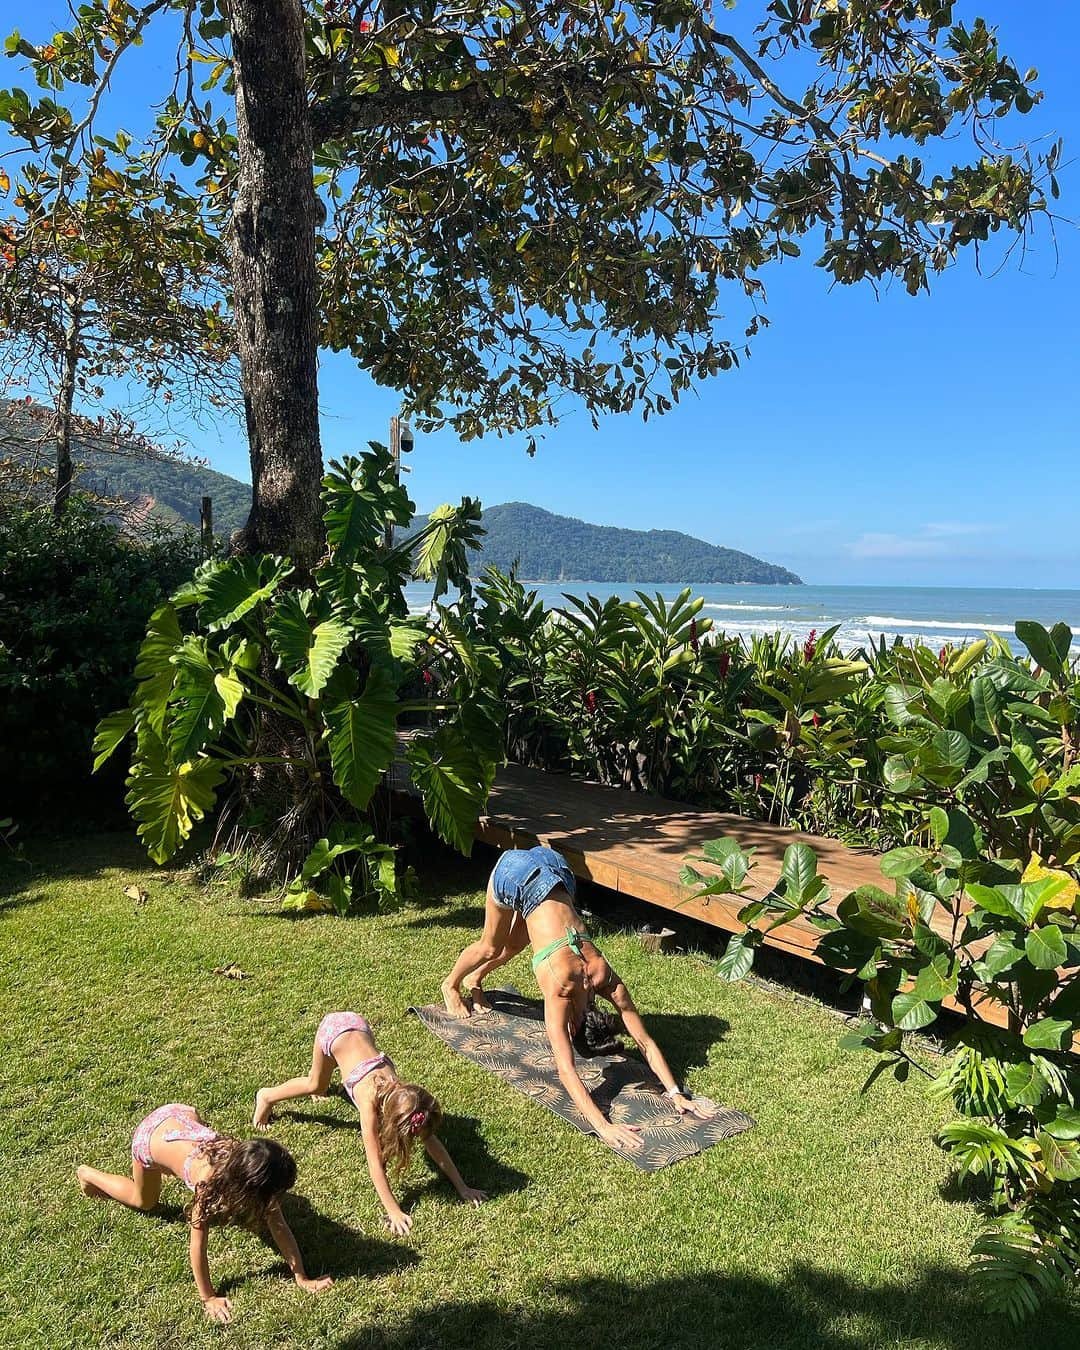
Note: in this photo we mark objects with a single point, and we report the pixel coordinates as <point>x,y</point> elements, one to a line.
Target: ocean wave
<point>887,621</point>
<point>746,609</point>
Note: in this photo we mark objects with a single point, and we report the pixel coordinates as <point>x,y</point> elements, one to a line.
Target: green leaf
<point>110,732</point>
<point>454,782</point>
<point>902,862</point>
<point>798,870</point>
<point>1003,954</point>
<point>362,736</point>
<point>937,980</point>
<point>1039,643</point>
<point>154,670</point>
<point>167,799</point>
<point>1025,1083</point>
<point>843,949</point>
<point>910,1012</point>
<point>873,912</point>
<point>1061,1157</point>
<point>738,956</point>
<point>1063,1123</point>
<point>203,700</point>
<point>308,655</point>
<point>236,586</point>
<point>1049,1034</point>
<point>1045,947</point>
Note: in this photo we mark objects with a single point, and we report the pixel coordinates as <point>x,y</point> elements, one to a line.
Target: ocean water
<point>937,615</point>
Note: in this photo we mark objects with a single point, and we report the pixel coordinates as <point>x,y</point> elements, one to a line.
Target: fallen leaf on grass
<point>232,972</point>
<point>137,894</point>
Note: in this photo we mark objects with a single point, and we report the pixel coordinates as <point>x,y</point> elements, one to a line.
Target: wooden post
<point>395,455</point>
<point>206,527</point>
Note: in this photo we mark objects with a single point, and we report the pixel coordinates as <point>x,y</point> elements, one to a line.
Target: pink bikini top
<point>362,1070</point>
<point>192,1133</point>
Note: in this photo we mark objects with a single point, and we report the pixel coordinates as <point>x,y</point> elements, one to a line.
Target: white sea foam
<point>887,621</point>
<point>746,609</point>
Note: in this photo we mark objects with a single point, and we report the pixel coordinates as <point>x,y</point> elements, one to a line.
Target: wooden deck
<point>635,844</point>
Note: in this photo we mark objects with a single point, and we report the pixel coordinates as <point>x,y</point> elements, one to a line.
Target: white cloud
<point>931,540</point>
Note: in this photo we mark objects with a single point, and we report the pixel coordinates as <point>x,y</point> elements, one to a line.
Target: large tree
<point>525,200</point>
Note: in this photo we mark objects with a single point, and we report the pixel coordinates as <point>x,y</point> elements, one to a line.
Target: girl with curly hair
<point>231,1180</point>
<point>394,1116</point>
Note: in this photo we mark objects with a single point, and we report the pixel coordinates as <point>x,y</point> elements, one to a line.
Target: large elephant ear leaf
<point>203,700</point>
<point>236,586</point>
<point>363,736</point>
<point>454,782</point>
<point>361,497</point>
<point>155,673</point>
<point>442,551</point>
<point>168,799</point>
<point>307,654</point>
<point>110,732</point>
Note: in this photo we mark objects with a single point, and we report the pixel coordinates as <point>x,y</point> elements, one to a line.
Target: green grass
<point>823,1227</point>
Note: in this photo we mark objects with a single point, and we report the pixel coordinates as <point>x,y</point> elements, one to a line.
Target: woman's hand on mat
<point>622,1136</point>
<point>315,1285</point>
<point>687,1106</point>
<point>471,1196</point>
<point>400,1223</point>
<point>218,1309</point>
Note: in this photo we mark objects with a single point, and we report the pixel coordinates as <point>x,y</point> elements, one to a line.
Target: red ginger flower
<point>694,644</point>
<point>810,645</point>
<point>724,664</point>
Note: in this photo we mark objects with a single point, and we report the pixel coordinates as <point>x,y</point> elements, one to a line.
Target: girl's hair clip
<point>416,1121</point>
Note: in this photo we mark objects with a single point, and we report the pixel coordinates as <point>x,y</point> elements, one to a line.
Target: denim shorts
<point>525,877</point>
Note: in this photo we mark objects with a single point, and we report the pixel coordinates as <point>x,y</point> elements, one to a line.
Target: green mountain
<point>165,486</point>
<point>547,547</point>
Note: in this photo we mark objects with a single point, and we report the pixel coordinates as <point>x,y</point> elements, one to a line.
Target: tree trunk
<point>274,280</point>
<point>68,365</point>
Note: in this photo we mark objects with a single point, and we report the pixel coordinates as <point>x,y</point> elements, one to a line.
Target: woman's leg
<point>314,1084</point>
<point>497,924</point>
<point>141,1190</point>
<point>516,942</point>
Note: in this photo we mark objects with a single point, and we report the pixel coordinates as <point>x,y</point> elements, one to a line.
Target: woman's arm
<point>556,1013</point>
<point>286,1245</point>
<point>436,1151</point>
<point>619,996</point>
<point>400,1222</point>
<point>220,1309</point>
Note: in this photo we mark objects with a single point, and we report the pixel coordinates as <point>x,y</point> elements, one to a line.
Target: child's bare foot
<point>264,1111</point>
<point>87,1186</point>
<point>455,1004</point>
<point>480,1003</point>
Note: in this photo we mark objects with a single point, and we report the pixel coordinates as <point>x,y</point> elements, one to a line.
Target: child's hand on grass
<point>316,1285</point>
<point>400,1223</point>
<point>218,1309</point>
<point>471,1196</point>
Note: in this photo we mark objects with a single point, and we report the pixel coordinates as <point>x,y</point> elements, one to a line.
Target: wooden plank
<point>635,844</point>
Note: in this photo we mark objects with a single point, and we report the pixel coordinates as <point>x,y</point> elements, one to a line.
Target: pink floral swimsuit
<point>192,1130</point>
<point>336,1024</point>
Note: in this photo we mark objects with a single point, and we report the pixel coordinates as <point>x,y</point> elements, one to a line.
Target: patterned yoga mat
<point>512,1043</point>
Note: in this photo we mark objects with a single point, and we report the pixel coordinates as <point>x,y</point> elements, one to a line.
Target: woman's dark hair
<point>247,1175</point>
<point>597,1035</point>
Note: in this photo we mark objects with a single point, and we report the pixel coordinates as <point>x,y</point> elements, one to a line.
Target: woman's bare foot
<point>264,1111</point>
<point>87,1186</point>
<point>480,1003</point>
<point>455,1004</point>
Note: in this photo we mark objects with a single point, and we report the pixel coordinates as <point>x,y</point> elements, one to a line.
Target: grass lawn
<point>825,1226</point>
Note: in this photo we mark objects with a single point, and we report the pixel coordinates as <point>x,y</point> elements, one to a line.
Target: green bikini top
<point>573,940</point>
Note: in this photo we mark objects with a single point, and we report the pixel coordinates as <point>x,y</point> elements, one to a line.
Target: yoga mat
<point>512,1043</point>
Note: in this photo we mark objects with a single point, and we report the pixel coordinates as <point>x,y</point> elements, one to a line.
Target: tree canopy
<point>522,200</point>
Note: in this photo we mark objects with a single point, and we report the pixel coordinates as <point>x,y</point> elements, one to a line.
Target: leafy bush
<point>958,928</point>
<point>74,600</point>
<point>289,695</point>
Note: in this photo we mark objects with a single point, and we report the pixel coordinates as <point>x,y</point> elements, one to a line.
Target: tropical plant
<point>962,930</point>
<point>246,680</point>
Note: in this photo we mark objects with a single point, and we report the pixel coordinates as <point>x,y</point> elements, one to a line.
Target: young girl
<point>232,1180</point>
<point>394,1116</point>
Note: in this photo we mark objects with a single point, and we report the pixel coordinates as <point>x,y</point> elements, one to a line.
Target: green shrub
<point>74,599</point>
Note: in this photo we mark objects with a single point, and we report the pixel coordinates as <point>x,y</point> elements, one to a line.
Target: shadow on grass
<point>806,1309</point>
<point>333,1248</point>
<point>461,916</point>
<point>14,902</point>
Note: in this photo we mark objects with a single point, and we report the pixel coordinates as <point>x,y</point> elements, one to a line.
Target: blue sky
<point>891,440</point>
